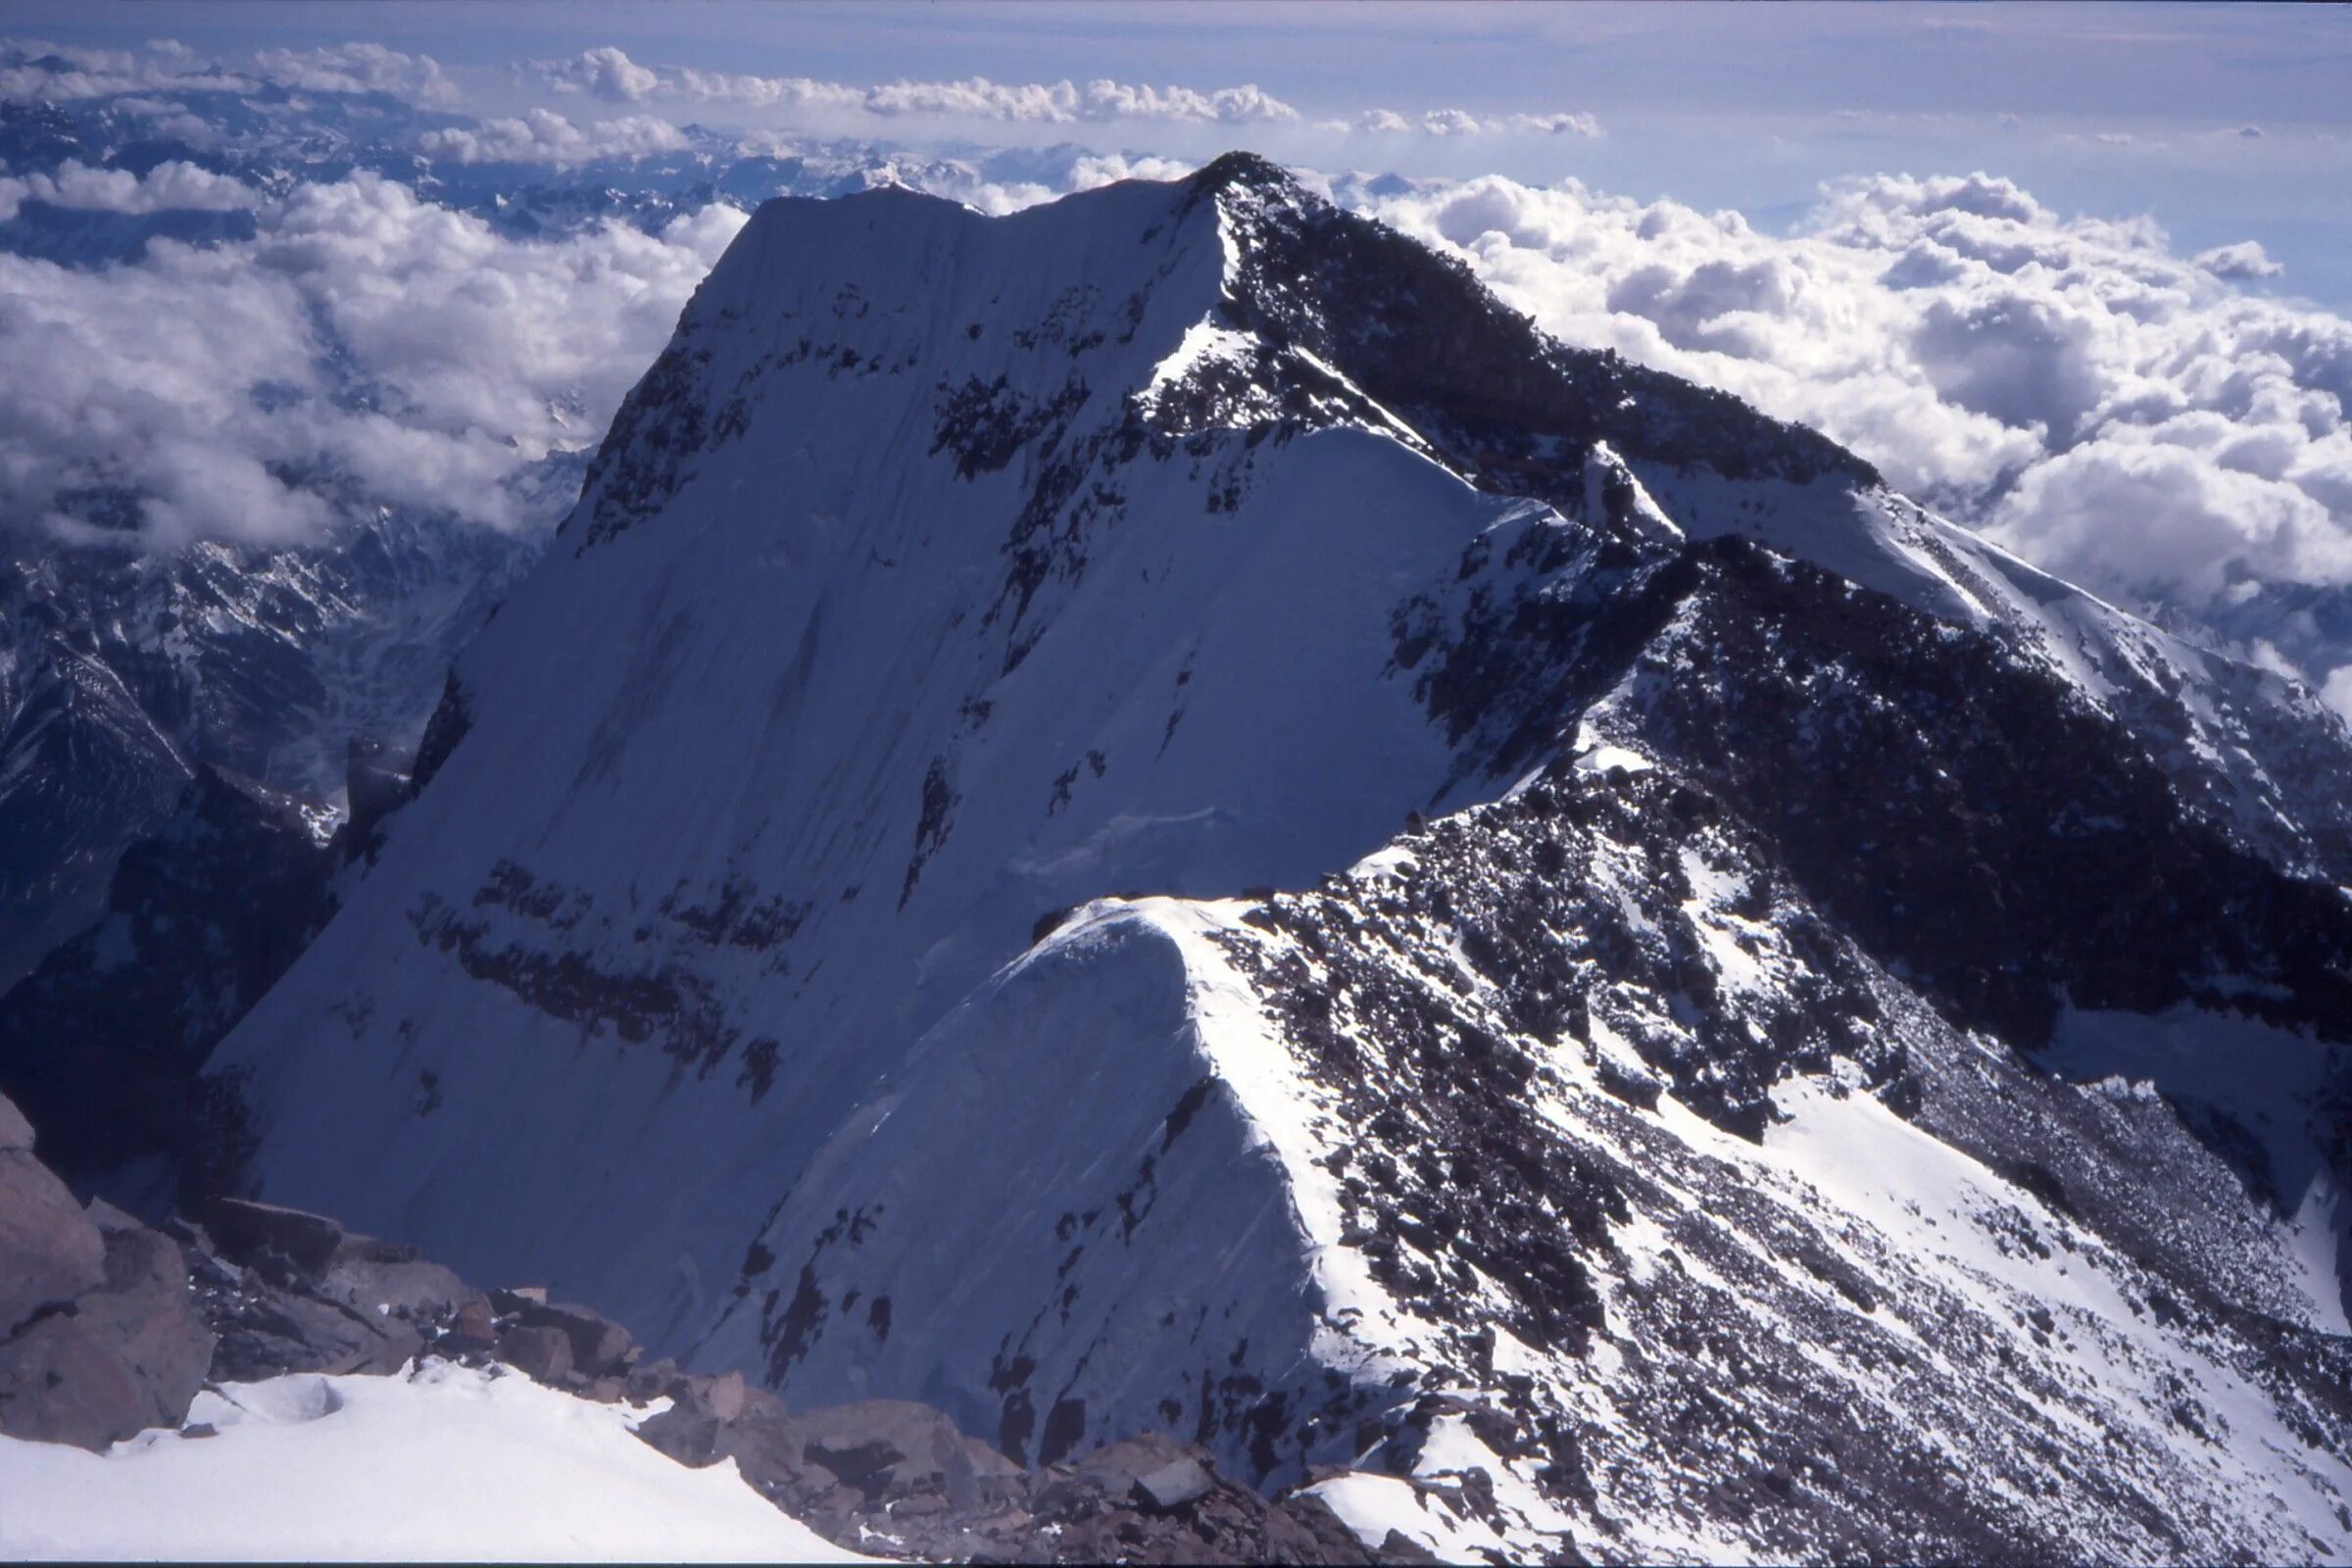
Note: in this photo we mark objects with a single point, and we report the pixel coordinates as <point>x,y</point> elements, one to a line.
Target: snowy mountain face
<point>1154,814</point>
<point>122,674</point>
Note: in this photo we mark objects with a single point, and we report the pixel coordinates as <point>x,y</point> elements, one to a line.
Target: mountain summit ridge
<point>842,915</point>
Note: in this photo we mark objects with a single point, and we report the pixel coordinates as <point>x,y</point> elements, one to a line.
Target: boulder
<point>893,1451</point>
<point>108,1218</point>
<point>129,1355</point>
<point>650,1380</point>
<point>244,1231</point>
<point>271,1330</point>
<point>542,1351</point>
<point>372,1276</point>
<point>763,1439</point>
<point>723,1396</point>
<point>598,1346</point>
<point>1173,1485</point>
<point>472,1328</point>
<point>16,1133</point>
<point>49,1251</point>
<point>1152,1498</point>
<point>693,1438</point>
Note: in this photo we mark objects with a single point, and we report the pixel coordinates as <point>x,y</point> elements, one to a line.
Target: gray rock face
<point>1172,1485</point>
<point>897,1476</point>
<point>286,1332</point>
<point>597,1346</point>
<point>294,1292</point>
<point>49,1252</point>
<point>245,1230</point>
<point>102,1335</point>
<point>376,1277</point>
<point>544,1354</point>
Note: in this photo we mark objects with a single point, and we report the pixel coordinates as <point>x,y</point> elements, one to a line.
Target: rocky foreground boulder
<point>109,1327</point>
<point>99,1332</point>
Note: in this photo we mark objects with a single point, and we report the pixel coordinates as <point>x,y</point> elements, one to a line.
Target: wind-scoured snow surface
<point>1154,814</point>
<point>443,1464</point>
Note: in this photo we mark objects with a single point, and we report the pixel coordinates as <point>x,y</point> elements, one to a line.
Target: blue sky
<point>2105,109</point>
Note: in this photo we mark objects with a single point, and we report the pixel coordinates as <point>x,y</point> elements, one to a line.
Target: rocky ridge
<point>109,1328</point>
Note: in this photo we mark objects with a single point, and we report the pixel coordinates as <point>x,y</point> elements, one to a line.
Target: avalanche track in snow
<point>1154,813</point>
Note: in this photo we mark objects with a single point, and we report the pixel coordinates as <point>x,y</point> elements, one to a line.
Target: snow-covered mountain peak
<point>1525,816</point>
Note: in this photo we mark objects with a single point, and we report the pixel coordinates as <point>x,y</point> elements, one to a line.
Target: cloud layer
<point>33,72</point>
<point>543,136</point>
<point>365,349</point>
<point>2154,425</point>
<point>606,78</point>
<point>173,187</point>
<point>609,74</point>
<point>2128,417</point>
<point>1462,122</point>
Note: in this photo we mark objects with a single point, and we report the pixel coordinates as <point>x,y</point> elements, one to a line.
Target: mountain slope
<point>103,1043</point>
<point>121,675</point>
<point>841,914</point>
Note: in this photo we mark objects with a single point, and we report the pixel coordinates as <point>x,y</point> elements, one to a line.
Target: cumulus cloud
<point>365,349</point>
<point>2336,692</point>
<point>607,73</point>
<point>1105,168</point>
<point>166,186</point>
<point>542,136</point>
<point>1558,125</point>
<point>611,75</point>
<point>2245,259</point>
<point>358,68</point>
<point>1462,122</point>
<point>33,72</point>
<point>171,117</point>
<point>967,184</point>
<point>2121,414</point>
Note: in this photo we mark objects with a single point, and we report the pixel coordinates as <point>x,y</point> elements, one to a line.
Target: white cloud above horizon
<point>608,73</point>
<point>171,186</point>
<point>2123,415</point>
<point>365,349</point>
<point>543,136</point>
<point>2151,422</point>
<point>32,70</point>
